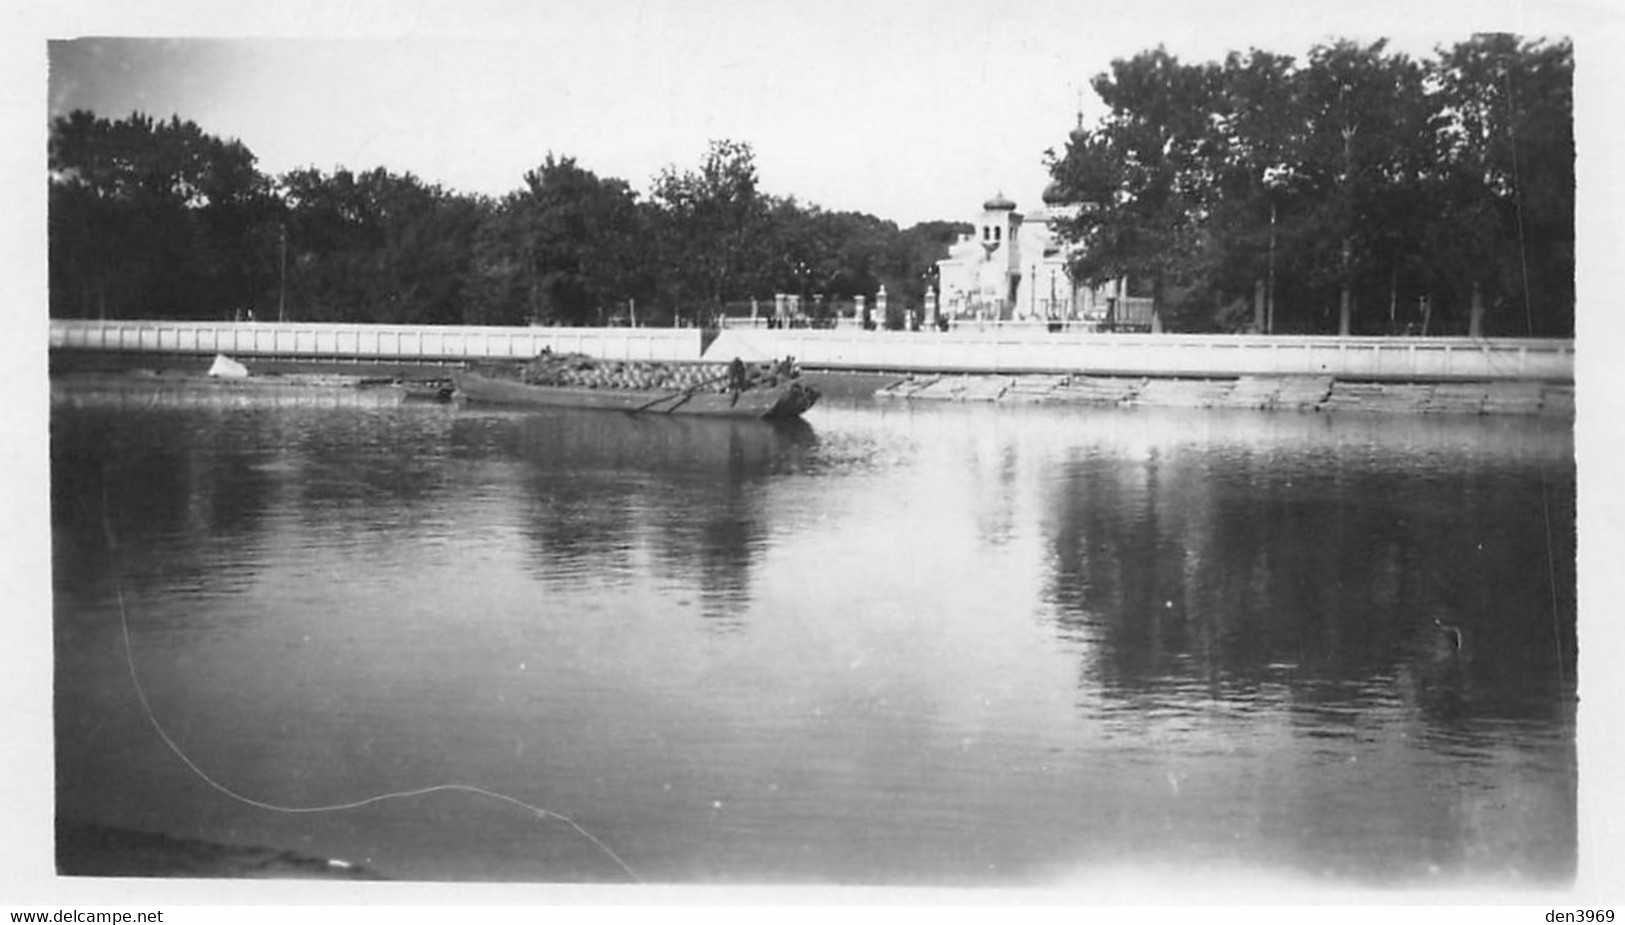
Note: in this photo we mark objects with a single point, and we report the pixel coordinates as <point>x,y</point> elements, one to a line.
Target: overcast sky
<point>907,110</point>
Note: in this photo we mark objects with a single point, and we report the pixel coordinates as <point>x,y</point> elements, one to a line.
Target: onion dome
<point>999,204</point>
<point>1054,195</point>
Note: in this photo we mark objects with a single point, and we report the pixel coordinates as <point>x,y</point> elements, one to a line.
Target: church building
<point>1012,267</point>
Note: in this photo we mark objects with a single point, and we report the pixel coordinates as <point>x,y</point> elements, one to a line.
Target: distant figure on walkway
<point>738,378</point>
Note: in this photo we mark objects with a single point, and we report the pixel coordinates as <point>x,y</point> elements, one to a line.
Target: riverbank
<point>1258,393</point>
<point>994,349</point>
<point>88,850</point>
<point>181,366</point>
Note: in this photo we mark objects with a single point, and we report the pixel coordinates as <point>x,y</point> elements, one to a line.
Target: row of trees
<point>159,219</point>
<point>1360,191</point>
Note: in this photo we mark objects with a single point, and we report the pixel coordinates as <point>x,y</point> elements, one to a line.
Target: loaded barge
<point>772,390</point>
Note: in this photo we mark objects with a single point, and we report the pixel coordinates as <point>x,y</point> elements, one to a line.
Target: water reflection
<point>602,493</point>
<point>892,644</point>
<point>1363,597</point>
<point>1174,566</point>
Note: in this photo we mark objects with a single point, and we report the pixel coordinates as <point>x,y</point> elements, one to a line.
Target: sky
<point>906,110</point>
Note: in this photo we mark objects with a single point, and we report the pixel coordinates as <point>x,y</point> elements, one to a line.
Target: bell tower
<point>1000,278</point>
<point>997,225</point>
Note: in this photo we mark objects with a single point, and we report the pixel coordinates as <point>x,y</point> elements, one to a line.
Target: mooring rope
<point>174,747</point>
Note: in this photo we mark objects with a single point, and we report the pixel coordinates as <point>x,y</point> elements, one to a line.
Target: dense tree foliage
<point>374,247</point>
<point>152,219</point>
<point>1359,192</point>
<point>566,248</point>
<point>711,223</point>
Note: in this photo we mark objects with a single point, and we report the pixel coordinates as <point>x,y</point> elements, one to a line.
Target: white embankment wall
<point>393,342</point>
<point>1189,355</point>
<point>1000,351</point>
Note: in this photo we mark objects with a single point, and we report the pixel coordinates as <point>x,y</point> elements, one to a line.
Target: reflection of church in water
<point>1012,267</point>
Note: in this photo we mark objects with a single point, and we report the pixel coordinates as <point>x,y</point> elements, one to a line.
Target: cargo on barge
<point>771,390</point>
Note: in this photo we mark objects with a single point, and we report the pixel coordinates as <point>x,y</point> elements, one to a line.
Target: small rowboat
<point>763,395</point>
<point>430,391</point>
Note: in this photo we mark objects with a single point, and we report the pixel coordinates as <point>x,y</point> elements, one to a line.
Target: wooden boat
<point>427,391</point>
<point>640,388</point>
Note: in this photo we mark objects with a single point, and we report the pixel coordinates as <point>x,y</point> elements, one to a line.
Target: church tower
<point>999,228</point>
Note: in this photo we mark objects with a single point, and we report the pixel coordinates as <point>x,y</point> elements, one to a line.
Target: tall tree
<point>152,218</point>
<point>1359,178</point>
<point>1504,228</point>
<point>1368,126</point>
<point>708,223</point>
<point>376,247</point>
<point>1145,173</point>
<point>1257,129</point>
<point>500,280</point>
<point>577,242</point>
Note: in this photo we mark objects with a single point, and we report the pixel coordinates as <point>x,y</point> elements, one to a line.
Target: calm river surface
<point>893,644</point>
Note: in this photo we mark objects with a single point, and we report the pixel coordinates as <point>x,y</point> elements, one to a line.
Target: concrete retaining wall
<point>372,341</point>
<point>1257,393</point>
<point>1375,358</point>
<point>1001,351</point>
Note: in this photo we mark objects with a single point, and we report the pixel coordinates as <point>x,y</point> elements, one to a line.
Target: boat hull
<point>786,400</point>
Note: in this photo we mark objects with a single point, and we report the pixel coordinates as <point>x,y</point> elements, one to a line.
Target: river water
<point>898,644</point>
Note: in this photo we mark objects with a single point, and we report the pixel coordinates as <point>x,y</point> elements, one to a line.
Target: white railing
<point>372,341</point>
<point>1012,348</point>
<point>1035,349</point>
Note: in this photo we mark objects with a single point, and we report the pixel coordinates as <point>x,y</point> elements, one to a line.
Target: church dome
<point>998,203</point>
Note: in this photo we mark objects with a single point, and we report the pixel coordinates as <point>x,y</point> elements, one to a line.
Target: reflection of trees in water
<point>1325,570</point>
<point>363,465</point>
<point>602,485</point>
<point>1197,584</point>
<point>156,481</point>
<point>187,487</point>
<point>709,515</point>
<point>582,525</point>
<point>714,531</point>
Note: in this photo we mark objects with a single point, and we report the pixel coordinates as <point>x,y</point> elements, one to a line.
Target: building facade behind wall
<point>1012,267</point>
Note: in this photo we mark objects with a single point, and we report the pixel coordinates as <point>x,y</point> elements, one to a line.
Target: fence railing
<point>1027,349</point>
<point>372,341</point>
<point>1012,347</point>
